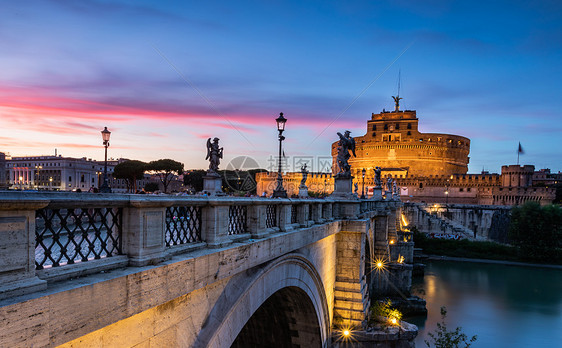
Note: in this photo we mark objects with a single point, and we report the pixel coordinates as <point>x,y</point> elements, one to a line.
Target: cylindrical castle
<point>394,143</point>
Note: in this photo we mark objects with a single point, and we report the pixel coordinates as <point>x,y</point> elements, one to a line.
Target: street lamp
<point>50,182</point>
<point>279,190</point>
<point>363,188</point>
<point>105,136</point>
<point>21,182</point>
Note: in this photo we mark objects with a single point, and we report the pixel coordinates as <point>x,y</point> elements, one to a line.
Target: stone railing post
<point>17,245</point>
<point>303,214</point>
<point>214,225</point>
<point>144,231</point>
<point>380,236</point>
<point>285,216</point>
<point>392,227</point>
<point>327,212</point>
<point>256,218</point>
<point>319,216</point>
<point>347,209</point>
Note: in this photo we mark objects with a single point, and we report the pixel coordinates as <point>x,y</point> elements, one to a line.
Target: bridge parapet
<point>56,236</point>
<point>133,254</point>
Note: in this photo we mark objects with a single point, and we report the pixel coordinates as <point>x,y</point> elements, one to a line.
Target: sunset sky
<point>164,76</point>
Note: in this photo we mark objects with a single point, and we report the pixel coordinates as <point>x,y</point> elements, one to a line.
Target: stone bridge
<point>95,270</point>
<point>475,222</point>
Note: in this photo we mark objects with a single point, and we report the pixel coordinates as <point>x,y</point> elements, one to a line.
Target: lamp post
<point>363,188</point>
<point>447,198</point>
<point>105,136</point>
<point>50,182</point>
<point>279,190</point>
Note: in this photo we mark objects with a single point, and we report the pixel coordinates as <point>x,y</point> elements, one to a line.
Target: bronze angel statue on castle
<point>214,154</point>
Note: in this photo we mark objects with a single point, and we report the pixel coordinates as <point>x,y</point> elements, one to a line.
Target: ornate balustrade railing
<point>294,216</point>
<point>237,219</point>
<point>183,225</point>
<point>66,236</point>
<point>271,216</point>
<point>56,236</point>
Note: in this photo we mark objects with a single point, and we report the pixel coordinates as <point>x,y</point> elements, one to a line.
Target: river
<point>505,306</point>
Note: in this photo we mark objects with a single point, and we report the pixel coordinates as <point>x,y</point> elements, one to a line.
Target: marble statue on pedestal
<point>214,155</point>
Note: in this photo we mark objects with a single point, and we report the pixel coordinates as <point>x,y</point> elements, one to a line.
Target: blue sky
<point>163,76</point>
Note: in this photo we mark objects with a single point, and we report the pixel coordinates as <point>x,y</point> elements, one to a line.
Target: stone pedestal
<point>303,192</point>
<point>212,184</point>
<point>377,194</point>
<point>17,247</point>
<point>342,187</point>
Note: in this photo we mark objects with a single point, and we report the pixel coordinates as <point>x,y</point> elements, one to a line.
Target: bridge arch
<point>287,281</point>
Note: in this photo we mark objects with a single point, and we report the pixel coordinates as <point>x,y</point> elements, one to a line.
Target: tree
<point>443,338</point>
<point>536,231</point>
<point>151,186</point>
<point>131,171</point>
<point>165,169</point>
<point>194,179</point>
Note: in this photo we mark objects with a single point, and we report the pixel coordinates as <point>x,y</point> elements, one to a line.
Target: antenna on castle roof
<point>397,98</point>
<point>399,82</point>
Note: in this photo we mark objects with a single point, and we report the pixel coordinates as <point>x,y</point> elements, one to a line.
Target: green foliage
<point>443,338</point>
<point>537,231</point>
<point>194,178</point>
<point>316,194</point>
<point>131,171</point>
<point>165,169</point>
<point>382,311</point>
<point>151,187</point>
<point>465,248</point>
<point>240,182</point>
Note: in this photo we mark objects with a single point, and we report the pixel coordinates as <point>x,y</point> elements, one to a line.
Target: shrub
<point>443,338</point>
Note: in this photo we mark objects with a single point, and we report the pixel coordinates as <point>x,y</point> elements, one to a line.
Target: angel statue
<point>346,144</point>
<point>396,102</point>
<point>378,177</point>
<point>389,183</point>
<point>304,176</point>
<point>214,154</point>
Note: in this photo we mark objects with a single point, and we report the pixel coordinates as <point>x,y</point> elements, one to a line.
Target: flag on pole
<point>520,150</point>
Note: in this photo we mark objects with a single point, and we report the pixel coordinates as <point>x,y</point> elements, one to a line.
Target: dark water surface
<point>506,306</point>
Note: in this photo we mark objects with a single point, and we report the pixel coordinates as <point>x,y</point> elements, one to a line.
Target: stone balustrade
<point>47,237</point>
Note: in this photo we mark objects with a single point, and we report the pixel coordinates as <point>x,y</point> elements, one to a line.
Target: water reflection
<point>506,306</point>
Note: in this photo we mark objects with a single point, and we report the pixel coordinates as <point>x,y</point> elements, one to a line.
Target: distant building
<point>55,173</point>
<point>3,176</point>
<point>60,173</point>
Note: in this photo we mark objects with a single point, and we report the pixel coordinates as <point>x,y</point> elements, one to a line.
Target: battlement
<point>394,115</point>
